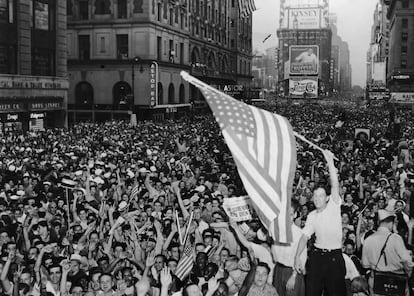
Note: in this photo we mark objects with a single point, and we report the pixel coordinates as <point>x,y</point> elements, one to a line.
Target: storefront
<point>32,103</point>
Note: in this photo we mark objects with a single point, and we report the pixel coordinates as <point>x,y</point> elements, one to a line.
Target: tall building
<point>341,70</point>
<point>305,41</point>
<point>378,53</point>
<point>400,74</point>
<point>33,74</point>
<point>264,69</point>
<point>125,56</point>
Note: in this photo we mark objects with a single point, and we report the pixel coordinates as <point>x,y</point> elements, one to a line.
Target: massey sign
<point>305,18</point>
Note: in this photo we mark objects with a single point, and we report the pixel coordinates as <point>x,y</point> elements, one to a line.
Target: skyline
<point>356,32</point>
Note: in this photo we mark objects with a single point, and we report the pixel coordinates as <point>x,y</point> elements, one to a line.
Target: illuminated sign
<point>304,18</point>
<point>32,83</point>
<point>304,59</point>
<point>153,84</point>
<point>298,87</point>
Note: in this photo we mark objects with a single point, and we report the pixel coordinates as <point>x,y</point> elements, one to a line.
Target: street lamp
<point>135,60</point>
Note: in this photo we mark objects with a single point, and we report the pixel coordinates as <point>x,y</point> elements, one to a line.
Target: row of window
<point>103,7</point>
<point>404,43</point>
<point>43,61</point>
<point>7,11</point>
<point>123,96</point>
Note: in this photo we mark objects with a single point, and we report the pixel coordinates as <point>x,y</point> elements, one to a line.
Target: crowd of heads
<point>109,208</point>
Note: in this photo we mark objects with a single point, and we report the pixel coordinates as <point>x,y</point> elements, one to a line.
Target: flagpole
<point>310,143</point>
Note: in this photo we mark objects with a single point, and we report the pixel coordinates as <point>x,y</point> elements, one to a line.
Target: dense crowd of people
<point>114,209</point>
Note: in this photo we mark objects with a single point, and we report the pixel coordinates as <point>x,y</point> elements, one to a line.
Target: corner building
<point>125,56</point>
<point>33,73</point>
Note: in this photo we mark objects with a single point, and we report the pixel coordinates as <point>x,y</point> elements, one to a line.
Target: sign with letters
<point>299,86</point>
<point>12,82</point>
<point>305,18</point>
<point>304,59</point>
<point>153,84</point>
<point>237,208</point>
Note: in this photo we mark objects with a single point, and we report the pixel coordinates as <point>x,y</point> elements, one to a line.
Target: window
<point>84,94</point>
<point>7,10</point>
<point>138,6</point>
<point>404,49</point>
<point>176,15</point>
<point>181,53</point>
<point>232,3</point>
<point>122,46</point>
<point>171,51</point>
<point>83,10</point>
<point>171,16</point>
<point>121,93</point>
<point>8,60</point>
<point>232,43</point>
<point>159,48</point>
<point>182,94</point>
<point>122,9</point>
<point>159,12</point>
<point>404,36</point>
<point>405,4</point>
<point>171,94</point>
<point>160,94</point>
<point>41,15</point>
<point>69,7</point>
<point>405,23</point>
<point>404,63</point>
<point>102,7</point>
<point>182,21</point>
<point>165,12</point>
<point>43,62</point>
<point>84,47</point>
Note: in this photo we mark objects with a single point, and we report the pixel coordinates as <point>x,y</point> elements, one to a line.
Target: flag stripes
<point>185,265</point>
<point>264,149</point>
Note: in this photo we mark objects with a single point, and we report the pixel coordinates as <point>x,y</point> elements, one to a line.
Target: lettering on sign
<point>51,105</point>
<point>26,83</point>
<point>153,84</point>
<point>9,107</point>
<point>298,87</point>
<point>13,117</point>
<point>37,115</point>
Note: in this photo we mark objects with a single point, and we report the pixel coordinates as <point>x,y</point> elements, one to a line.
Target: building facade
<point>125,56</point>
<point>400,66</point>
<point>305,42</point>
<point>33,73</point>
<point>341,70</point>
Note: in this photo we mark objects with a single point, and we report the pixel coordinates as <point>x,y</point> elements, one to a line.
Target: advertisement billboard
<point>299,86</point>
<point>305,18</point>
<point>304,59</point>
<point>403,97</point>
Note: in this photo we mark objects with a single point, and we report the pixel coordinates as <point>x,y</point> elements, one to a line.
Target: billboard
<point>403,97</point>
<point>304,59</point>
<point>298,86</point>
<point>304,18</point>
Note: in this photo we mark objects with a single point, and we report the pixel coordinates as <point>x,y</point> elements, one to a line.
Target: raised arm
<point>333,175</point>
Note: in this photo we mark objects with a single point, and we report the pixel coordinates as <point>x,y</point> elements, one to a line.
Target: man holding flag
<point>326,266</point>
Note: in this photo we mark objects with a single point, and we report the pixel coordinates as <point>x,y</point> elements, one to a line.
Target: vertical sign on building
<point>153,84</point>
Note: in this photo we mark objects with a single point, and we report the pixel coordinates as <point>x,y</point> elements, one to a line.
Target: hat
<point>172,160</point>
<point>400,165</point>
<point>78,173</point>
<point>98,172</point>
<point>200,188</point>
<point>79,258</point>
<point>20,192</point>
<point>47,183</point>
<point>195,198</point>
<point>384,214</point>
<point>14,197</point>
<point>107,175</point>
<point>186,202</point>
<point>99,180</point>
<point>101,163</point>
<point>130,174</point>
<point>153,169</point>
<point>143,170</point>
<point>122,205</point>
<point>12,168</point>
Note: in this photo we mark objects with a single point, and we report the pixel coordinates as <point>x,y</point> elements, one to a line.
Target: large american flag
<point>246,7</point>
<point>264,148</point>
<point>186,263</point>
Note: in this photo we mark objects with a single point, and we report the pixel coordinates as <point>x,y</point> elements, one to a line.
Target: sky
<point>355,18</point>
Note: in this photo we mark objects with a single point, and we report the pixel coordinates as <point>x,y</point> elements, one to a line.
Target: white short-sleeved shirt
<point>326,225</point>
<point>286,254</point>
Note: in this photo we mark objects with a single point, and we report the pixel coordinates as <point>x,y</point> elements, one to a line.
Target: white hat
<point>153,169</point>
<point>122,205</point>
<point>172,160</point>
<point>26,174</point>
<point>98,172</point>
<point>400,165</point>
<point>12,168</point>
<point>130,174</point>
<point>20,192</point>
<point>79,258</point>
<point>107,175</point>
<point>14,197</point>
<point>200,188</point>
<point>186,202</point>
<point>384,214</point>
<point>99,180</point>
<point>78,173</point>
<point>47,183</point>
<point>149,152</point>
<point>100,163</point>
<point>143,170</point>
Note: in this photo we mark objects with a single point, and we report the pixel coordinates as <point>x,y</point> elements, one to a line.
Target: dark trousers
<point>281,276</point>
<point>326,273</point>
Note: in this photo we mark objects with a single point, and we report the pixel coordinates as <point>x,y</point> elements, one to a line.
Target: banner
<point>305,18</point>
<point>299,86</point>
<point>304,59</point>
<point>237,208</point>
<point>403,97</point>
